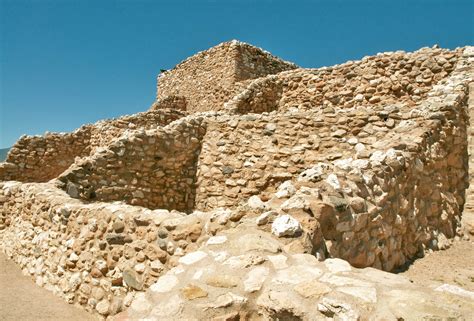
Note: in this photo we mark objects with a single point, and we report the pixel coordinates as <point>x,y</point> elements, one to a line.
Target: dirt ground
<point>453,266</point>
<point>22,300</point>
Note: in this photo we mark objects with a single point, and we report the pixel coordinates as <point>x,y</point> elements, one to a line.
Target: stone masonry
<point>247,171</point>
<point>41,158</point>
<point>210,78</point>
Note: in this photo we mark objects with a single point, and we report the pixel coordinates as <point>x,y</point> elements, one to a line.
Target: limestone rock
<point>285,190</point>
<point>255,279</point>
<point>165,283</point>
<point>256,203</point>
<point>193,257</point>
<point>312,289</point>
<point>286,225</point>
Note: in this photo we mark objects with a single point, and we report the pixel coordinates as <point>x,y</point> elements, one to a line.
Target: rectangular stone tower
<point>208,79</point>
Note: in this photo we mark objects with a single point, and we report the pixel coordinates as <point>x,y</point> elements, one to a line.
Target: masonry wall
<point>252,154</point>
<point>93,255</point>
<point>401,171</point>
<point>252,62</point>
<point>411,203</point>
<point>154,168</point>
<point>390,78</point>
<point>407,197</point>
<point>376,184</point>
<point>41,158</point>
<point>105,132</point>
<point>170,102</point>
<point>261,95</point>
<point>210,78</point>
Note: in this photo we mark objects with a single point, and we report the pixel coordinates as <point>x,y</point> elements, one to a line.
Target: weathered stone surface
<point>141,304</point>
<point>337,265</point>
<point>312,289</point>
<point>192,258</point>
<point>165,284</point>
<point>132,279</point>
<point>223,281</point>
<point>255,279</point>
<point>364,161</point>
<point>215,240</point>
<point>192,292</point>
<point>103,307</point>
<point>256,203</point>
<point>286,225</point>
<point>258,242</point>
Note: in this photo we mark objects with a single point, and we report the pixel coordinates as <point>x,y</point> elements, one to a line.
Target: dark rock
<point>102,245</point>
<point>72,190</point>
<point>113,238</point>
<point>162,244</point>
<point>226,170</point>
<point>162,233</point>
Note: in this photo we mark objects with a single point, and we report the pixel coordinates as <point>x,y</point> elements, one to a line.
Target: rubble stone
<point>221,199</point>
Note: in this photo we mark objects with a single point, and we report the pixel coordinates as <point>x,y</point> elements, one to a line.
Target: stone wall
<point>210,78</point>
<point>376,183</point>
<point>403,169</point>
<point>105,132</point>
<point>41,158</point>
<point>252,62</point>
<point>377,80</point>
<point>154,168</point>
<point>251,154</point>
<point>261,95</point>
<point>386,78</point>
<point>404,196</point>
<point>170,102</point>
<point>93,255</point>
<point>412,202</point>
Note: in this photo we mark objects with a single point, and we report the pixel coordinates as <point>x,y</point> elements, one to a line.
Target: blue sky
<point>64,63</point>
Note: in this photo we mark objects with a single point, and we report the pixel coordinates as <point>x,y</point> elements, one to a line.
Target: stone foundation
<point>91,254</point>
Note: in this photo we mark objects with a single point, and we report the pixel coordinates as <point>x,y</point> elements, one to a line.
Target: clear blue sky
<point>64,63</point>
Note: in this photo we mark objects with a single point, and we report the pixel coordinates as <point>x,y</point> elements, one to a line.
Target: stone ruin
<point>253,189</point>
